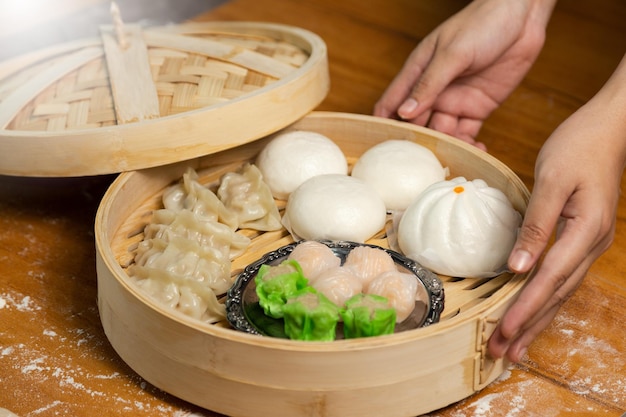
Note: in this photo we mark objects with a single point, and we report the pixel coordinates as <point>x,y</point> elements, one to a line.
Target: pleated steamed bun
<point>399,170</point>
<point>460,228</point>
<point>334,207</point>
<point>291,158</point>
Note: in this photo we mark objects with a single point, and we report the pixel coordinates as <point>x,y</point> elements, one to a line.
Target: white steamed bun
<point>459,228</point>
<point>399,170</point>
<point>334,207</point>
<point>293,157</point>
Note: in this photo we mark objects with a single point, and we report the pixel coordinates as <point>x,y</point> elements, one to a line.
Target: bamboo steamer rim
<point>403,374</point>
<point>506,291</point>
<point>166,139</point>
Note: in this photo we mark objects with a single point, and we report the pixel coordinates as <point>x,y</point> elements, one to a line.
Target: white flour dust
<point>601,367</point>
<point>64,370</point>
<point>23,303</point>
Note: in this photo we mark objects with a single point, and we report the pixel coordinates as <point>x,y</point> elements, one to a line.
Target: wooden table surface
<point>55,359</point>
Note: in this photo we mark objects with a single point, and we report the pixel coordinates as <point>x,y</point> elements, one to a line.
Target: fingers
<point>438,74</point>
<point>515,347</point>
<point>426,73</point>
<point>402,85</point>
<point>581,238</point>
<point>461,128</point>
<point>542,214</point>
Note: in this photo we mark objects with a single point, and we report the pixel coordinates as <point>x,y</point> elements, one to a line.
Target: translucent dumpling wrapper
<point>314,258</point>
<point>460,228</point>
<point>368,262</point>
<point>309,315</point>
<point>275,284</point>
<point>400,290</point>
<point>338,284</point>
<point>367,315</point>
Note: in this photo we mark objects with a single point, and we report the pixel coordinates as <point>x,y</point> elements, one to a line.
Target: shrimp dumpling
<point>399,288</point>
<point>368,262</point>
<point>338,284</point>
<point>314,258</point>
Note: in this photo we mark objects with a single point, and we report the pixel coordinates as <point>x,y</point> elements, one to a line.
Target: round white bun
<point>334,207</point>
<point>399,170</point>
<point>291,158</point>
<point>460,228</point>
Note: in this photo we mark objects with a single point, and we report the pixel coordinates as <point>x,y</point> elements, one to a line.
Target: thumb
<point>542,215</point>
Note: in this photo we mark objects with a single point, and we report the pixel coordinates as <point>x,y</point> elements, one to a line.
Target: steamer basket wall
<point>404,374</point>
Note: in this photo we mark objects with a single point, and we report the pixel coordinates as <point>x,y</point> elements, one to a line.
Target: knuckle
<point>560,298</point>
<point>533,233</point>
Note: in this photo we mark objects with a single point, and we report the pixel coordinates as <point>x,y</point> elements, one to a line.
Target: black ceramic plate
<point>245,314</point>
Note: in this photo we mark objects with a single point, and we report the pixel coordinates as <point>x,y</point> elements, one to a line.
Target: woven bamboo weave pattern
<point>184,81</point>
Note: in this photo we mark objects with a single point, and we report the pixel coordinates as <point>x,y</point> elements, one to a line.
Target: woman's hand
<point>577,186</point>
<point>467,66</point>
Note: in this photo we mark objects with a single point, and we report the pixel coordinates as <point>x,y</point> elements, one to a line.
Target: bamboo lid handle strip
<point>134,94</point>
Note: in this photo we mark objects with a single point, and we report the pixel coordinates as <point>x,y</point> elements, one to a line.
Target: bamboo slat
<point>19,98</point>
<point>133,90</point>
<point>95,107</point>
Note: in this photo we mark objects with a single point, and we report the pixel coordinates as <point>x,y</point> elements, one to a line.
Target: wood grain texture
<point>56,360</point>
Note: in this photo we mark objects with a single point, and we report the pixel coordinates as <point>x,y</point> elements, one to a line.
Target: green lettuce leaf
<point>367,315</point>
<point>274,284</point>
<point>309,315</point>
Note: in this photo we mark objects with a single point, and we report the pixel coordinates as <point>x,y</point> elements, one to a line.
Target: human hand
<point>467,66</point>
<point>576,192</point>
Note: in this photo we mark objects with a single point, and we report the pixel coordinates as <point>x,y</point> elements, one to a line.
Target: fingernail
<point>407,107</point>
<point>520,261</point>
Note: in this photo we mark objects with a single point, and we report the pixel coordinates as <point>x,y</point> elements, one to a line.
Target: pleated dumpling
<point>338,284</point>
<point>191,195</point>
<point>314,258</point>
<point>399,288</point>
<point>368,262</point>
<point>246,194</point>
<point>168,224</point>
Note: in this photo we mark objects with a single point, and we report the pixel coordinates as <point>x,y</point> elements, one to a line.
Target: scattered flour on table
<point>579,342</point>
<point>21,303</point>
<point>63,371</point>
<point>509,399</point>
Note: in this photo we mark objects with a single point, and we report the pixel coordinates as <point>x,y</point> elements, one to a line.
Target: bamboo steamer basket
<point>235,373</point>
<point>137,98</point>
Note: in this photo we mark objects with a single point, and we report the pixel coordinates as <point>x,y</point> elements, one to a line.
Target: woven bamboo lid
<point>137,98</point>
